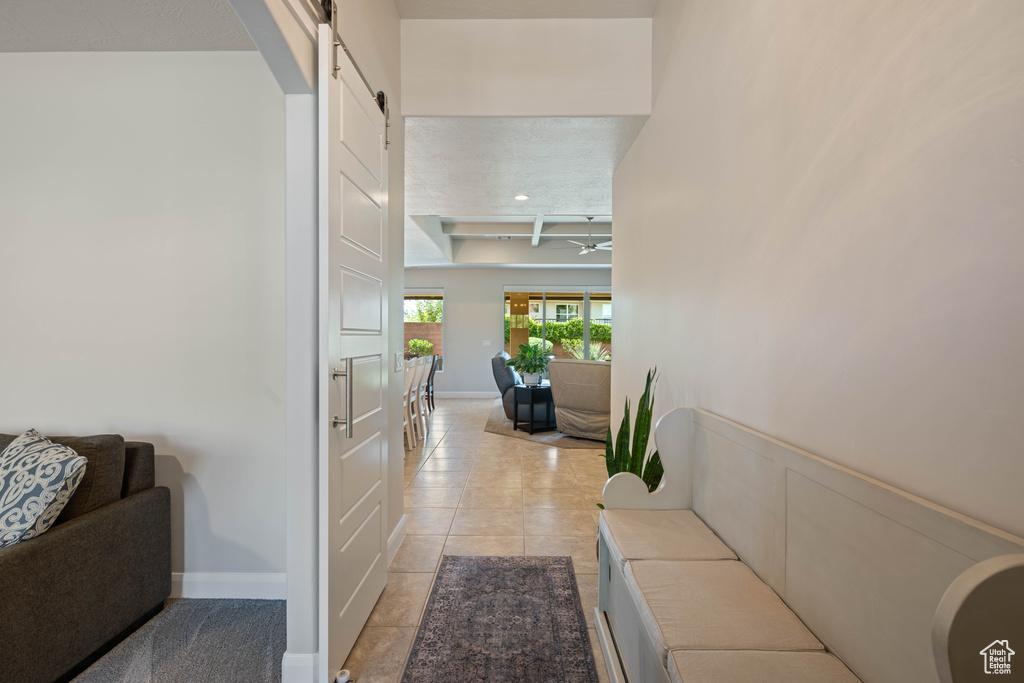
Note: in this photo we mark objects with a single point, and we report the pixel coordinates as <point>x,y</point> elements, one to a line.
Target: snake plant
<point>618,455</point>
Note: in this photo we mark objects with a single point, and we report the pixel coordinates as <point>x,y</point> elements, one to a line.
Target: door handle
<point>347,374</point>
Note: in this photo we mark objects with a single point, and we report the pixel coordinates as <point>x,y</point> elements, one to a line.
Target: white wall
<point>824,226</point>
<point>141,214</point>
<point>526,67</point>
<point>474,312</point>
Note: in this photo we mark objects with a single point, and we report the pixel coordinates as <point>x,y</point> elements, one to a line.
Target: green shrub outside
<point>557,332</point>
<point>574,349</point>
<point>420,347</point>
<point>536,341</point>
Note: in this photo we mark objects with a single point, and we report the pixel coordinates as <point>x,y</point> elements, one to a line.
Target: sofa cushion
<point>139,468</point>
<point>742,666</point>
<point>37,479</point>
<point>660,535</point>
<point>717,605</point>
<point>104,476</point>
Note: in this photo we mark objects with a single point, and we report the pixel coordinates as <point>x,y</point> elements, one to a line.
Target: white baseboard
<point>298,668</point>
<point>397,536</point>
<point>467,394</point>
<point>228,585</point>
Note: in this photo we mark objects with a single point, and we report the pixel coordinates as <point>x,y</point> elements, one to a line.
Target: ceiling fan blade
<point>603,248</point>
<point>585,251</point>
<point>575,242</point>
<point>605,244</point>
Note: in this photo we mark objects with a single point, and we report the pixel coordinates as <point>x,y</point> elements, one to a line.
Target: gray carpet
<point>503,620</point>
<point>497,423</point>
<point>200,641</point>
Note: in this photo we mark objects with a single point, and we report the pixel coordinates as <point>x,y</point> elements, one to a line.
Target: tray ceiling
<point>462,175</point>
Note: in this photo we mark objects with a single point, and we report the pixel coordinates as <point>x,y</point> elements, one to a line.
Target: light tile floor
<point>468,492</point>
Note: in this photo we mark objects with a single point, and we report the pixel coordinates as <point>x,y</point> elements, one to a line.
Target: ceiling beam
<point>486,229</point>
<point>520,252</point>
<point>538,225</point>
<point>431,227</point>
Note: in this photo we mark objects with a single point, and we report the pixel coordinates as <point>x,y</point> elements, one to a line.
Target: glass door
<point>568,323</point>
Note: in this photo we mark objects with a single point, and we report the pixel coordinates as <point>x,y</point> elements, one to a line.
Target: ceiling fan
<point>590,246</point>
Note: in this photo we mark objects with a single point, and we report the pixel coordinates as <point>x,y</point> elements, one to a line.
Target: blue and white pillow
<point>37,478</point>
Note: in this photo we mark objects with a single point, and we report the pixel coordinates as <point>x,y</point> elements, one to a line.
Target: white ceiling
<point>525,9</point>
<point>462,173</point>
<point>120,26</point>
<point>475,166</point>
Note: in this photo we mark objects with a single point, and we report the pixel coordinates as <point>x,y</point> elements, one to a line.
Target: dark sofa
<point>99,573</point>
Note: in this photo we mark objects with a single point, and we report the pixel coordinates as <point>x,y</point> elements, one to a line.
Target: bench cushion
<point>724,666</point>
<point>660,535</point>
<point>717,605</point>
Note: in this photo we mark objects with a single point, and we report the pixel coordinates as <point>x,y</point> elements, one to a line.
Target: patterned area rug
<point>503,620</point>
<point>497,423</point>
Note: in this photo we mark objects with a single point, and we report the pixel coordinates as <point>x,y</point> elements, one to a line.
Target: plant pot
<point>531,378</point>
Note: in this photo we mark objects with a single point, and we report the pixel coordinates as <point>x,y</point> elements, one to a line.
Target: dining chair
<point>430,382</point>
<point>416,398</point>
<point>407,415</point>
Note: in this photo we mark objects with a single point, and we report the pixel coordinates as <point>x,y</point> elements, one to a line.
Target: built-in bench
<point>756,561</point>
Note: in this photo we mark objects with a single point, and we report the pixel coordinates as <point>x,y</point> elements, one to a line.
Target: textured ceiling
<point>525,9</point>
<point>120,26</point>
<point>468,170</point>
<point>475,166</point>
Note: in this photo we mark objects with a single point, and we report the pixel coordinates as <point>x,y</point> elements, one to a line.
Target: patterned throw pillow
<point>37,478</point>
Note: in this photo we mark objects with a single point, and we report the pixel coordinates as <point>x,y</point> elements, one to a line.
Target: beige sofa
<point>582,393</point>
<point>756,561</point>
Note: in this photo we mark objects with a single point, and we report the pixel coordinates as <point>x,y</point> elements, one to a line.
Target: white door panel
<point>353,378</point>
<point>361,470</point>
<point>360,125</point>
<point>361,303</point>
<point>366,387</point>
<point>362,219</point>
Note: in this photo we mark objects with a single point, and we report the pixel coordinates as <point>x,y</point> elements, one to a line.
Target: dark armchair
<point>506,378</point>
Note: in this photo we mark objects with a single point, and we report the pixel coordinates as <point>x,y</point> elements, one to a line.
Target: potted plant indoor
<point>618,456</point>
<point>530,362</point>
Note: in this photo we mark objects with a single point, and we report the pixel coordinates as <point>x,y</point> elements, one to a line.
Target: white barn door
<point>353,346</point>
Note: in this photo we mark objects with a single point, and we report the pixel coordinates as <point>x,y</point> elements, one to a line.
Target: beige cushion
<point>724,666</point>
<point>660,535</point>
<point>719,605</point>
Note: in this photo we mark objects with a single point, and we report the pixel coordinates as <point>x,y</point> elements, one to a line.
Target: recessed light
<point>522,197</point>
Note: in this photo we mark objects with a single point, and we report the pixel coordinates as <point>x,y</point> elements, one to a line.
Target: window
<point>424,324</point>
<point>568,324</point>
<point>566,312</point>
